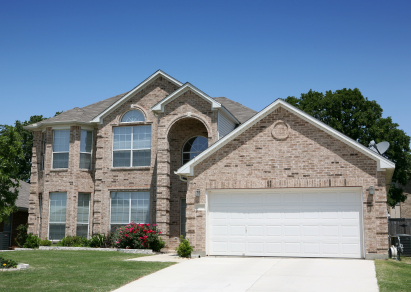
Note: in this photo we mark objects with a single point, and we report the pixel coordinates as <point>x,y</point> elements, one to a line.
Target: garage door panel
<point>307,222</point>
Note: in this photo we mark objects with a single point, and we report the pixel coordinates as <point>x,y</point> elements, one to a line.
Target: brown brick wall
<point>406,206</point>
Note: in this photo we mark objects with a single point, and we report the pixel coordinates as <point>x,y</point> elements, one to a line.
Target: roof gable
<point>215,105</point>
<point>382,162</point>
<point>158,73</point>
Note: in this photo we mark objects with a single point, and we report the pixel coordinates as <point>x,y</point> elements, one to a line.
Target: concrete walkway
<point>260,274</point>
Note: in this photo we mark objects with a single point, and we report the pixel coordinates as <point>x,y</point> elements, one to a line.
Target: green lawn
<point>74,270</point>
<point>394,276</point>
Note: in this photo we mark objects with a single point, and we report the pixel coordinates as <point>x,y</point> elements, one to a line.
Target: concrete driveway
<point>260,274</point>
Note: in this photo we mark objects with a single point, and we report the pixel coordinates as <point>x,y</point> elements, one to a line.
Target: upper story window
<point>193,147</point>
<point>61,145</point>
<point>86,146</point>
<point>133,116</point>
<point>132,146</point>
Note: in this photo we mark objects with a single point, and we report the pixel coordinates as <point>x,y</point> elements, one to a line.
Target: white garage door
<point>293,222</point>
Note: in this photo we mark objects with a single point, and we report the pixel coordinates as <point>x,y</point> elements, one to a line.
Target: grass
<point>74,270</point>
<point>394,276</point>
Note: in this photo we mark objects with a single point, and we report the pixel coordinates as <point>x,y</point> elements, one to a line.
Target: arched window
<point>133,116</point>
<point>193,147</point>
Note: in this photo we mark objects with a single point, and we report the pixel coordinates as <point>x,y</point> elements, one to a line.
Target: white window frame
<point>129,206</point>
<point>91,152</point>
<point>182,148</point>
<point>88,217</point>
<point>52,149</point>
<point>48,225</point>
<point>131,157</point>
<point>134,109</point>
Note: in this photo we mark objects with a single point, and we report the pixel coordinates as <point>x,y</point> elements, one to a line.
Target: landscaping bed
<point>62,270</point>
<point>394,276</point>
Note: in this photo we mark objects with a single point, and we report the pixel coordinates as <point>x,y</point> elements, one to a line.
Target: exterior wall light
<point>372,190</point>
<point>197,193</point>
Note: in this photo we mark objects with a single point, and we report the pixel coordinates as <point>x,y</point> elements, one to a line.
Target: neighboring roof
<point>79,115</point>
<point>159,107</point>
<point>22,201</point>
<point>241,112</point>
<point>158,73</point>
<point>382,162</point>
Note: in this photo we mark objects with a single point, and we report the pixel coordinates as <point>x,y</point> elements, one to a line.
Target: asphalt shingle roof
<point>241,112</point>
<point>87,113</point>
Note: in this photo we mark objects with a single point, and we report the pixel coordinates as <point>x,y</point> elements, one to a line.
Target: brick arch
<point>191,116</point>
<point>134,107</point>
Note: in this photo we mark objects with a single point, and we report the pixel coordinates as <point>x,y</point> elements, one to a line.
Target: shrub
<point>184,249</point>
<point>6,264</point>
<point>32,241</point>
<point>97,240</point>
<point>74,241</point>
<point>138,236</point>
<point>45,242</point>
<point>21,234</point>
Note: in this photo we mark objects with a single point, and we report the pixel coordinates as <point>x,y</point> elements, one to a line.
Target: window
<point>133,116</point>
<point>83,211</point>
<point>183,217</point>
<point>132,146</point>
<point>86,146</point>
<point>129,206</point>
<point>193,147</point>
<point>61,145</point>
<point>57,222</point>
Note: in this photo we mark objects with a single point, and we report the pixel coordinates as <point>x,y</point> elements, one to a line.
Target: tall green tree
<point>349,112</point>
<point>10,151</point>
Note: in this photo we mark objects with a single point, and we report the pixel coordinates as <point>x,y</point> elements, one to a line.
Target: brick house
<point>234,181</point>
<point>403,209</point>
<point>8,231</point>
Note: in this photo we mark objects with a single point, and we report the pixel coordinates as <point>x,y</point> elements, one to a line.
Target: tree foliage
<point>349,112</point>
<point>16,146</point>
<point>10,150</point>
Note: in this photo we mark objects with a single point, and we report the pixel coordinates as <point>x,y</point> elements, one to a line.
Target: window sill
<point>59,170</point>
<point>86,170</point>
<point>130,168</point>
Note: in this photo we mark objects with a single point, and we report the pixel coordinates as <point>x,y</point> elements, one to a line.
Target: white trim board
<point>382,162</point>
<point>99,118</point>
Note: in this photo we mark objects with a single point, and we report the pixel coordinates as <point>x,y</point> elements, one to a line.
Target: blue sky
<point>56,55</point>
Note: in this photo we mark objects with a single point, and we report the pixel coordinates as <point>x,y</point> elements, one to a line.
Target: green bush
<point>74,241</point>
<point>6,264</point>
<point>21,234</point>
<point>184,249</point>
<point>97,240</point>
<point>32,241</point>
<point>45,242</point>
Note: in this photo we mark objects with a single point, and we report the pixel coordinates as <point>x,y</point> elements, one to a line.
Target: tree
<point>10,151</point>
<point>16,146</point>
<point>349,112</point>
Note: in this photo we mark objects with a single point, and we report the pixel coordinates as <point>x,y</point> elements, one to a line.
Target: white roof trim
<point>98,119</point>
<point>188,168</point>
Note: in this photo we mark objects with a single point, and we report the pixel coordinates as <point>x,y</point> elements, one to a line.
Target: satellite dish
<point>379,148</point>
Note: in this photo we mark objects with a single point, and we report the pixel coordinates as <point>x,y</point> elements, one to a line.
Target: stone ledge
<point>19,267</point>
<point>376,256</point>
<point>138,251</point>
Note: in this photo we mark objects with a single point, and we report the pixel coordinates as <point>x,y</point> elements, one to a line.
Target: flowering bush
<point>6,264</point>
<point>138,236</point>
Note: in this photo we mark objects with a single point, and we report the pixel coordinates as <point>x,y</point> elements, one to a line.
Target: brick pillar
<point>33,219</point>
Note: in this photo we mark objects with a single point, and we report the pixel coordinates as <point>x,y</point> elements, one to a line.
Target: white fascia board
<point>188,168</point>
<point>158,73</point>
<point>60,125</point>
<point>159,107</point>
